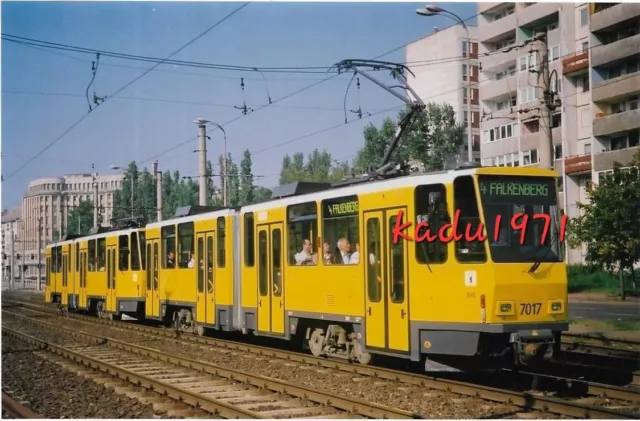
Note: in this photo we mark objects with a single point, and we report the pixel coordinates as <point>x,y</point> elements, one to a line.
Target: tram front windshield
<point>513,201</point>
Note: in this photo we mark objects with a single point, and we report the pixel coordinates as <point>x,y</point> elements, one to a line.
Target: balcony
<point>604,161</point>
<point>533,140</point>
<point>490,32</point>
<point>576,63</point>
<point>499,61</point>
<point>612,89</point>
<point>577,164</point>
<point>603,54</point>
<point>535,12</point>
<point>499,88</point>
<point>616,123</point>
<point>614,14</point>
<point>485,7</point>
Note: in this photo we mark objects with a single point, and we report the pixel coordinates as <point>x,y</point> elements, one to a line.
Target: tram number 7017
<point>529,309</point>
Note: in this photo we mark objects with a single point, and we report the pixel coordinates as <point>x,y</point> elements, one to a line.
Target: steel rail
<point>595,337</point>
<point>525,400</point>
<point>368,409</point>
<point>196,400</point>
<point>13,408</point>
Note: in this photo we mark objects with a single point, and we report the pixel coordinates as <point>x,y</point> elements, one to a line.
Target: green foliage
<point>434,137</point>
<point>585,278</point>
<point>608,223</point>
<point>80,220</point>
<point>319,168</point>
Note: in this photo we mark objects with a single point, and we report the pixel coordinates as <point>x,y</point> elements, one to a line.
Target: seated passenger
<point>327,256</point>
<point>171,260</point>
<point>355,256</point>
<point>345,249</point>
<point>191,261</point>
<point>304,257</point>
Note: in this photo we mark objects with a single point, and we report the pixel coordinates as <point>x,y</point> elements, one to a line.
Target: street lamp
<point>431,10</point>
<point>203,122</point>
<point>116,167</point>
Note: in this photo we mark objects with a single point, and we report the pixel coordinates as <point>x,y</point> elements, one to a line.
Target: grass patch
<point>618,325</point>
<point>584,278</point>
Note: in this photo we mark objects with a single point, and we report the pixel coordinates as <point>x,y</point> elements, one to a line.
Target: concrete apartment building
<point>593,48</point>
<point>10,244</point>
<point>441,76</point>
<point>48,203</point>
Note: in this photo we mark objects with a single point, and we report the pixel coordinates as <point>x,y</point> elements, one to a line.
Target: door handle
<point>280,304</point>
<point>369,311</point>
<point>259,303</point>
<point>198,299</point>
<point>402,313</point>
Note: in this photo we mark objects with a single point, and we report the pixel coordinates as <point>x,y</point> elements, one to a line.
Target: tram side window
<point>102,249</point>
<point>341,231</point>
<point>142,246</point>
<point>168,234</point>
<point>200,266</point>
<point>135,251</point>
<point>92,255</point>
<point>77,257</point>
<point>186,258</point>
<point>249,240</point>
<point>47,282</point>
<point>123,248</point>
<point>276,249</point>
<point>302,223</point>
<point>465,201</point>
<point>59,259</point>
<point>221,242</point>
<point>431,211</point>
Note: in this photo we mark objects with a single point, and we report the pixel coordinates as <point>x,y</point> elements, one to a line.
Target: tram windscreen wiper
<point>537,263</point>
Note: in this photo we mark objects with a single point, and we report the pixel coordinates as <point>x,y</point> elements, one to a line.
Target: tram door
<point>152,297</point>
<point>386,275</point>
<point>111,278</point>
<point>206,298</point>
<point>270,279</point>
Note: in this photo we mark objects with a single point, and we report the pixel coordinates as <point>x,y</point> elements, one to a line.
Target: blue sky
<point>125,128</point>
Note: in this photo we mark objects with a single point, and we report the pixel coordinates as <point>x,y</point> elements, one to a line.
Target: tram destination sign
<point>523,190</point>
<point>341,207</point>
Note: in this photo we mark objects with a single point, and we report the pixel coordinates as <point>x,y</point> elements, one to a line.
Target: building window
<point>464,70</point>
<point>500,132</point>
<point>584,83</point>
<point>587,148</point>
<point>530,157</point>
<point>584,16</point>
<point>554,53</point>
<point>557,151</point>
<point>464,48</point>
<point>528,94</point>
<point>585,46</point>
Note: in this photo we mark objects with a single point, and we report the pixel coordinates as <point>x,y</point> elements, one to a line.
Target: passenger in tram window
<point>191,261</point>
<point>355,256</point>
<point>328,257</point>
<point>345,251</point>
<point>171,260</point>
<point>304,256</point>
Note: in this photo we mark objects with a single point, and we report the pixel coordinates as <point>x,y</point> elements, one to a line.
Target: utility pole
<point>546,148</point>
<point>158,178</point>
<point>132,186</point>
<point>60,205</point>
<point>24,259</point>
<point>40,253</point>
<point>224,172</point>
<point>95,197</point>
<point>202,159</point>
<point>469,112</point>
<point>13,261</point>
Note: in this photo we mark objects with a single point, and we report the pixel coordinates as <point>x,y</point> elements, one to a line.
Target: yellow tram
<point>337,269</point>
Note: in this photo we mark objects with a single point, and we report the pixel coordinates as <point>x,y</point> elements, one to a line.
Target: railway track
<point>525,400</point>
<point>220,391</point>
<point>15,410</point>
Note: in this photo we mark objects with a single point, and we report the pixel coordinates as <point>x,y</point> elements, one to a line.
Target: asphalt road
<point>604,311</point>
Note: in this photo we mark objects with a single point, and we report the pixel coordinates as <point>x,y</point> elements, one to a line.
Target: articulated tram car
<point>325,266</point>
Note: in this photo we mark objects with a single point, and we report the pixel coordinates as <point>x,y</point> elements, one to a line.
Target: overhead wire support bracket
<point>413,101</point>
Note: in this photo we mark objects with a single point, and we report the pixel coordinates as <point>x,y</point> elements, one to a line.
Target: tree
<point>122,198</point>
<point>261,194</point>
<point>233,178</point>
<point>247,193</point>
<point>432,139</point>
<point>608,224</point>
<point>80,219</point>
<point>319,168</point>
